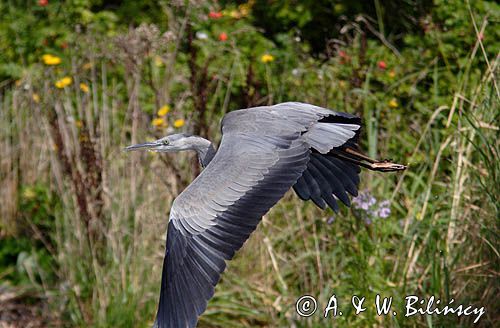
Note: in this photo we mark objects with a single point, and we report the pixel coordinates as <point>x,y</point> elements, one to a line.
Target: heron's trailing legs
<point>352,155</point>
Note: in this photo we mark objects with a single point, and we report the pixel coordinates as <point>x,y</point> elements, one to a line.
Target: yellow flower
<point>244,9</point>
<point>157,122</point>
<point>36,98</point>
<point>84,87</point>
<point>158,61</point>
<point>392,73</point>
<point>64,82</point>
<point>179,123</point>
<point>393,103</point>
<point>235,14</point>
<point>266,58</point>
<point>163,110</point>
<point>29,193</point>
<point>48,59</point>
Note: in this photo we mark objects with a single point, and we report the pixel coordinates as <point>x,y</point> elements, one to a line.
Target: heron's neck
<point>205,150</point>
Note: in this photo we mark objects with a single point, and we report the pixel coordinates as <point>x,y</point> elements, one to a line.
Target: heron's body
<point>263,153</point>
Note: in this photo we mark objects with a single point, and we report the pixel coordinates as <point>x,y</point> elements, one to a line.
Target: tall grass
<point>108,236</point>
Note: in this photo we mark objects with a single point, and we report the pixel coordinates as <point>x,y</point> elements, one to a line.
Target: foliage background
<point>82,224</point>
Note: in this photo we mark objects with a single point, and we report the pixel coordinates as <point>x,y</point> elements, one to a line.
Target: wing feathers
<point>264,151</point>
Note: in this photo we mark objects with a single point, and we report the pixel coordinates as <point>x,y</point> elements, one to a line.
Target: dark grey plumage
<point>264,152</point>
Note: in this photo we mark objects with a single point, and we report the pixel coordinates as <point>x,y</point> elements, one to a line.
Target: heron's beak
<point>146,145</point>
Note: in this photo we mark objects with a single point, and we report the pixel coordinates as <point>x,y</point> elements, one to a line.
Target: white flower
<point>201,35</point>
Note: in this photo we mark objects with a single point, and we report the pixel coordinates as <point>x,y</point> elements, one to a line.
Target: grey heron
<point>264,151</point>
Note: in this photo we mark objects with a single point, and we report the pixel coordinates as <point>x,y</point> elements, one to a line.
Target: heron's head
<point>171,143</point>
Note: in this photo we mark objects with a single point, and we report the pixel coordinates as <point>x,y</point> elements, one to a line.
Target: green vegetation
<point>82,224</point>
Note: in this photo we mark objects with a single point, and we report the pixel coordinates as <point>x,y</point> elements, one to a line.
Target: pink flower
<point>43,3</point>
<point>223,36</point>
<point>382,64</point>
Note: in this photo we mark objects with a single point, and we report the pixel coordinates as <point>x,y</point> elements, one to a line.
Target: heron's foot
<point>387,166</point>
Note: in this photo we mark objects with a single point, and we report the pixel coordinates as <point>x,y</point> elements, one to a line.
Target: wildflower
<point>392,73</point>
<point>215,14</point>
<point>384,212</point>
<point>235,14</point>
<point>43,3</point>
<point>50,60</point>
<point>382,64</point>
<point>223,36</point>
<point>158,61</point>
<point>365,206</point>
<point>64,82</point>
<point>344,57</point>
<point>29,193</point>
<point>157,122</point>
<point>36,98</point>
<point>84,87</point>
<point>384,209</point>
<point>244,9</point>
<point>266,58</point>
<point>163,110</point>
<point>179,123</point>
<point>393,103</point>
<point>201,35</point>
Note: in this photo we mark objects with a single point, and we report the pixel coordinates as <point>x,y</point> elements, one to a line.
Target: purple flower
<point>384,212</point>
<point>364,201</point>
<point>366,206</point>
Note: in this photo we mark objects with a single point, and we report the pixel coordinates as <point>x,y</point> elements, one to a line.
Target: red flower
<point>344,57</point>
<point>223,36</point>
<point>382,64</point>
<point>43,3</point>
<point>215,14</point>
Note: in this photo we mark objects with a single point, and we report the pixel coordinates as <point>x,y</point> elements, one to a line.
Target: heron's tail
<point>354,156</point>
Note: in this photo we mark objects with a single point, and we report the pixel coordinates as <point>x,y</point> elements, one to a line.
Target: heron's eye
<point>165,142</point>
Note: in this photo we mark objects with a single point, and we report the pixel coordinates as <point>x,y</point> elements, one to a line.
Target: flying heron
<point>263,153</point>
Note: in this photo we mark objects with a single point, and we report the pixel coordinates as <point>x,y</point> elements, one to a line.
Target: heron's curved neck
<point>205,150</point>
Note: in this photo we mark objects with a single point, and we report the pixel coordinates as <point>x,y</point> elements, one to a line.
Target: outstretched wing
<point>262,154</point>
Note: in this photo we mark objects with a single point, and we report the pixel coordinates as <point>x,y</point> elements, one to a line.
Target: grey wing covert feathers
<point>263,153</point>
